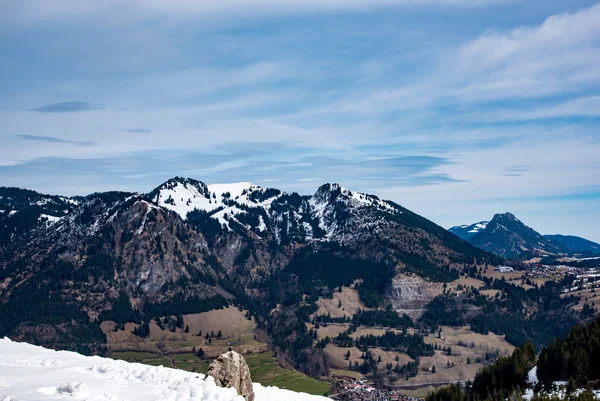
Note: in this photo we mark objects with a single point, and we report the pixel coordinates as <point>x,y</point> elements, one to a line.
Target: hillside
<point>573,358</point>
<point>567,368</point>
<point>21,210</point>
<point>507,236</point>
<point>467,232</point>
<point>576,244</point>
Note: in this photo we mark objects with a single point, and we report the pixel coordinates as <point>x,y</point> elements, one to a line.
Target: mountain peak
<point>507,236</point>
<point>329,187</point>
<point>184,195</point>
<point>505,216</point>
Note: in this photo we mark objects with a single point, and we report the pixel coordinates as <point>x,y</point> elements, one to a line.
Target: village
<point>584,278</point>
<point>353,389</point>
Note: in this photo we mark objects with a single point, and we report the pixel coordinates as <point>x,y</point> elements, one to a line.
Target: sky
<point>455,109</point>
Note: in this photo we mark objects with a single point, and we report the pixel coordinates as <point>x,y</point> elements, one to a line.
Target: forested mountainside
<point>570,362</point>
<point>576,244</point>
<point>507,236</point>
<point>21,210</point>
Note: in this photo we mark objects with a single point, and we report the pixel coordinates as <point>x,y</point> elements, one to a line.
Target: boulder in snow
<point>231,370</point>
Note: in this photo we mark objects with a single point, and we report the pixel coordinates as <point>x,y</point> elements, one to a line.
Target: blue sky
<point>456,109</point>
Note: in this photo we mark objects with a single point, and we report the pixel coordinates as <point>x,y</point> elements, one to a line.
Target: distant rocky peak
<point>505,216</point>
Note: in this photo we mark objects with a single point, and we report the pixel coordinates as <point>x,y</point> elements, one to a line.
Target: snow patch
<point>50,219</point>
<point>475,228</point>
<point>559,387</point>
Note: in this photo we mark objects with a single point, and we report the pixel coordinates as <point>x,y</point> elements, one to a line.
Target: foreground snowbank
<point>31,373</point>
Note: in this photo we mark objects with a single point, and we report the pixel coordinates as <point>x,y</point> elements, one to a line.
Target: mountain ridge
<point>186,244</point>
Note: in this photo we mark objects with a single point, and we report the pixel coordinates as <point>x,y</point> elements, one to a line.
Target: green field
<point>263,368</point>
<point>266,371</point>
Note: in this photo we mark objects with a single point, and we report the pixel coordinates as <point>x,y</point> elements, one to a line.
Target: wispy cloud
<point>66,107</point>
<point>51,139</point>
<point>139,130</point>
<point>560,56</point>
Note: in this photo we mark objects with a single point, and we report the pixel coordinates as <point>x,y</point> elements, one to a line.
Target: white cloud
<point>559,56</point>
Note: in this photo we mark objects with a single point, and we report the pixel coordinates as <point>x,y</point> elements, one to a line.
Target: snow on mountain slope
<point>22,210</point>
<point>466,231</point>
<point>32,373</point>
<point>49,218</point>
<point>478,227</point>
<point>332,201</point>
<point>183,195</point>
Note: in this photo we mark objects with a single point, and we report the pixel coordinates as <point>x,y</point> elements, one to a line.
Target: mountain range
<point>507,236</point>
<point>188,246</point>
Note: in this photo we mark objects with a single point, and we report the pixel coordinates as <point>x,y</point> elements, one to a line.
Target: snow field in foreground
<point>32,373</point>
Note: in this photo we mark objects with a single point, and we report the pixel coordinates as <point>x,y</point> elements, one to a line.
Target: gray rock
<point>231,370</point>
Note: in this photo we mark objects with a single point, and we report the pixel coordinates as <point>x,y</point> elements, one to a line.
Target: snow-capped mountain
<point>507,236</point>
<point>194,246</point>
<point>32,373</point>
<point>265,209</point>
